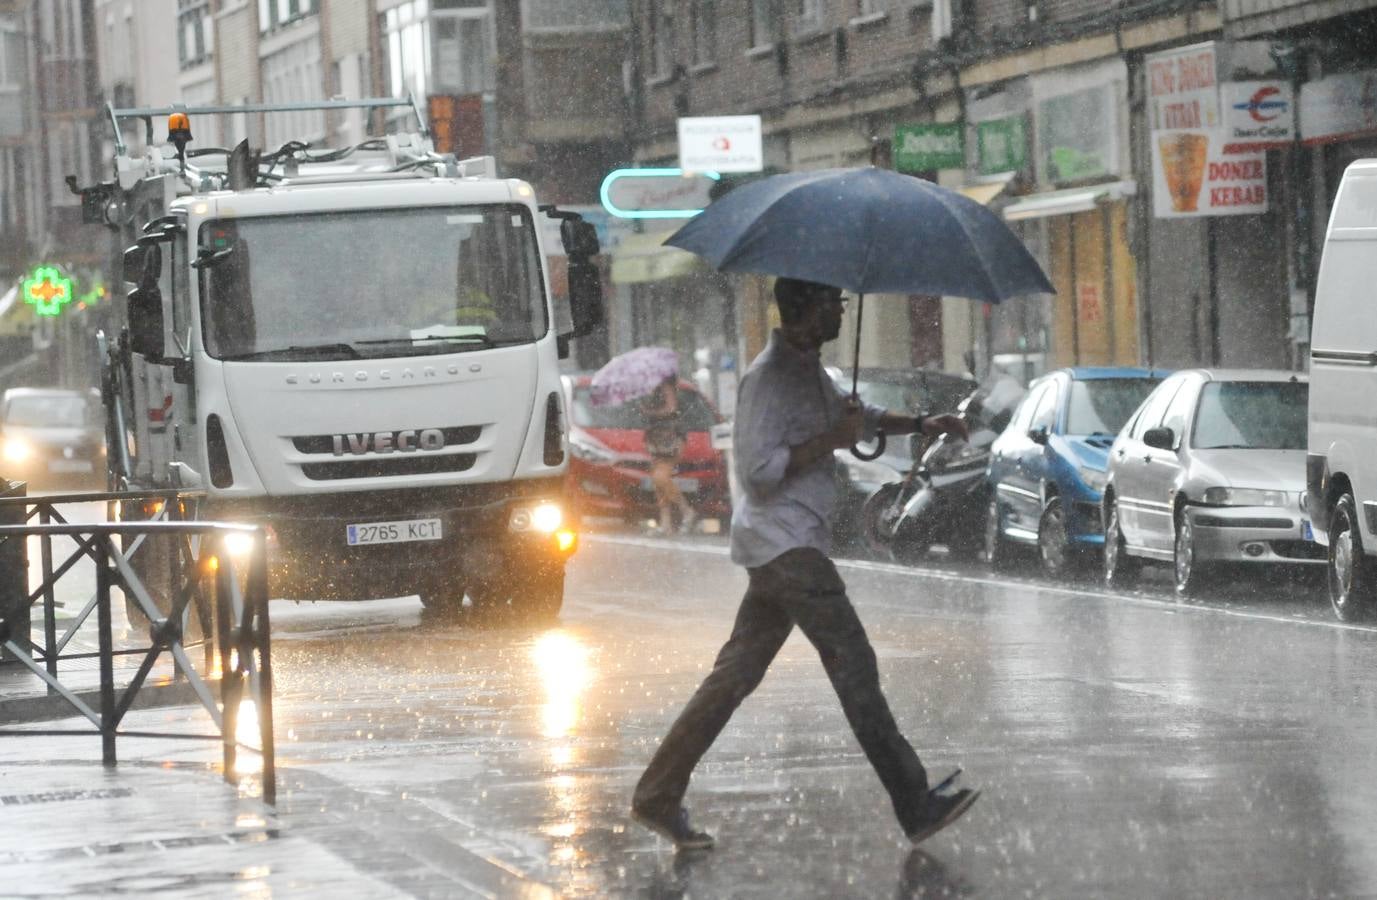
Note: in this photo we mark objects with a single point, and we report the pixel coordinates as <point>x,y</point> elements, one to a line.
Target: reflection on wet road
<point>1126,746</point>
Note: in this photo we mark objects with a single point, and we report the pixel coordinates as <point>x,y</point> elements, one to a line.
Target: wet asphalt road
<point>1126,746</point>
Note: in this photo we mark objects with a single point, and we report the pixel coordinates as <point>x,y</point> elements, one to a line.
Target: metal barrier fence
<point>223,606</point>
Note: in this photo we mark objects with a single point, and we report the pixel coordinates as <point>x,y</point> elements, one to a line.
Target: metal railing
<point>222,605</point>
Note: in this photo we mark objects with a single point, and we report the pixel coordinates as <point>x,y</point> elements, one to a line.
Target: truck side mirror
<point>138,259</point>
<point>146,322</point>
<point>580,241</point>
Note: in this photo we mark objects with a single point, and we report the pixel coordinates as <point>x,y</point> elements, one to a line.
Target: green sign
<point>1001,146</point>
<point>48,290</point>
<point>930,146</point>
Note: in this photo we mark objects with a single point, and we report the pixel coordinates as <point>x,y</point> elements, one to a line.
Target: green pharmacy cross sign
<point>48,290</point>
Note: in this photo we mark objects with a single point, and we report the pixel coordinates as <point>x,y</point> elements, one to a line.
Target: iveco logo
<point>363,442</point>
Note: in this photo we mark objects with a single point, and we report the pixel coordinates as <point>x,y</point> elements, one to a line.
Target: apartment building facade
<point>1044,109</point>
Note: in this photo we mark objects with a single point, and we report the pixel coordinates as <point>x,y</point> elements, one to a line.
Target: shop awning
<point>1064,203</point>
<point>642,257</point>
<point>985,192</point>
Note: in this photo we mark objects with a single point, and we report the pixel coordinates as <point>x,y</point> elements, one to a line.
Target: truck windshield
<point>371,283</point>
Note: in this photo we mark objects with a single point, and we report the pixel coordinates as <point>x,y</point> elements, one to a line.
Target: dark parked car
<point>51,437</point>
<point>1048,468</point>
<point>609,468</point>
<point>911,390</point>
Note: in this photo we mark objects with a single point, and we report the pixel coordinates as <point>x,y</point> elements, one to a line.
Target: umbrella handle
<point>879,450</point>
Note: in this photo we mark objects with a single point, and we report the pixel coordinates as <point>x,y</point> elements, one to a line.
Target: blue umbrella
<point>867,231</point>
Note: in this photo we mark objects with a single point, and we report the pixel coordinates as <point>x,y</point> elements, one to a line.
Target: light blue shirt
<point>786,398</point>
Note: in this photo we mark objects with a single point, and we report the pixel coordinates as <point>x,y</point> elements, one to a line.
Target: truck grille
<point>384,466</point>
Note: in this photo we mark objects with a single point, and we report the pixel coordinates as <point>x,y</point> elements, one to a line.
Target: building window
<point>194,41</point>
<point>574,15</point>
<point>762,23</point>
<point>462,44</point>
<point>809,15</point>
<point>874,7</point>
<point>276,13</point>
<point>661,23</point>
<point>293,75</point>
<point>12,79</point>
<point>440,47</point>
<point>704,14</point>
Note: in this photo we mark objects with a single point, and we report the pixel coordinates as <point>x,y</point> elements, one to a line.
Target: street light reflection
<point>562,663</point>
<point>246,762</point>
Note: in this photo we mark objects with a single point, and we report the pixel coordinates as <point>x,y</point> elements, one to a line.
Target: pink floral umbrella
<point>632,375</point>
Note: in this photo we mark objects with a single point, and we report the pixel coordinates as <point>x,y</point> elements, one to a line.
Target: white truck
<point>356,349</point>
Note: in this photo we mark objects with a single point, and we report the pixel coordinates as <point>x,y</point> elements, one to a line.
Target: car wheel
<point>998,551</point>
<point>1120,569</point>
<point>1059,557</point>
<point>1190,572</point>
<point>1352,585</point>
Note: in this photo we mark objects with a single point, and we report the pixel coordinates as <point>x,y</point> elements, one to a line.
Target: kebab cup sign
<point>1193,176</point>
<point>721,144</point>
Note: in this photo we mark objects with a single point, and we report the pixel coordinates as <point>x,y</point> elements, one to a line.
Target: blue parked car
<point>1047,470</point>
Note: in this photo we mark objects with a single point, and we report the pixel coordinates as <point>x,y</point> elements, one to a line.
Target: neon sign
<point>47,290</point>
<point>679,176</point>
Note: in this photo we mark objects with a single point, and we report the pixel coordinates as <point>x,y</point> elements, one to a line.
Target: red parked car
<point>609,468</point>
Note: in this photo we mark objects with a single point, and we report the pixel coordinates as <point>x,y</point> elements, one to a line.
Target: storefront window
<point>1076,136</point>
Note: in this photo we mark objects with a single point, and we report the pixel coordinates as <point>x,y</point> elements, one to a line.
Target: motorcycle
<point>944,498</point>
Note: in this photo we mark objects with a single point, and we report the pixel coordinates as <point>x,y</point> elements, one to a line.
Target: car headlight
<point>591,451</point>
<point>1230,496</point>
<point>859,471</point>
<point>17,450</point>
<point>1095,479</point>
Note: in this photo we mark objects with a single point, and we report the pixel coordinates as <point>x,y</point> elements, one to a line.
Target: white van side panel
<point>1343,374</point>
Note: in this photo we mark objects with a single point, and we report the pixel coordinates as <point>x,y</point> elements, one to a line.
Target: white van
<point>1341,463</point>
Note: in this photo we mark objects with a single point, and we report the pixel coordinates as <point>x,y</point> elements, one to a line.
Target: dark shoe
<point>941,811</point>
<point>675,828</point>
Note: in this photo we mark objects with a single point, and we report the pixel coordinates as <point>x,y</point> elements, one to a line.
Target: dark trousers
<point>802,588</point>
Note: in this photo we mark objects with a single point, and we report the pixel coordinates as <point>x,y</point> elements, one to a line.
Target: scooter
<point>944,498</point>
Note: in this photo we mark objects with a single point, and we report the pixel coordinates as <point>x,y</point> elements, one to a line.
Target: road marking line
<point>937,575</point>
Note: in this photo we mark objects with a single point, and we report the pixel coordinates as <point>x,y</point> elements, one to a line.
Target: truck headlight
<point>1230,496</point>
<point>544,518</point>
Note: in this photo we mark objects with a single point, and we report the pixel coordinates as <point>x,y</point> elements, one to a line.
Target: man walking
<point>790,417</point>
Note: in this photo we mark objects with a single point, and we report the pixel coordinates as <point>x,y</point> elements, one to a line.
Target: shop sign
<point>1001,145</point>
<point>929,146</point>
<point>1183,88</point>
<point>1258,114</point>
<point>721,144</point>
<point>1338,107</point>
<point>1192,176</point>
<point>1076,135</point>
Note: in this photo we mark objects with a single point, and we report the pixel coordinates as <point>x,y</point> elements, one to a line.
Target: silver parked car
<point>1210,469</point>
